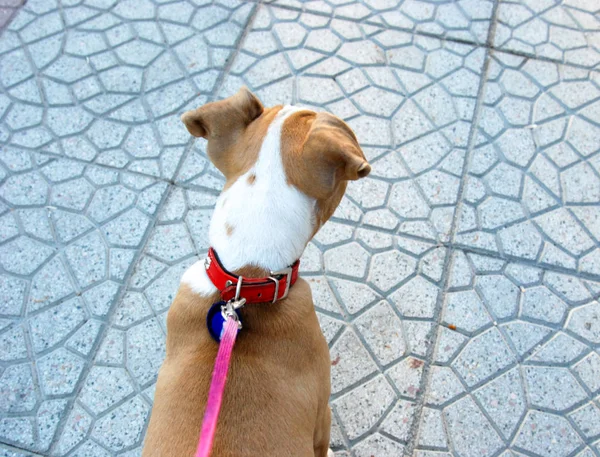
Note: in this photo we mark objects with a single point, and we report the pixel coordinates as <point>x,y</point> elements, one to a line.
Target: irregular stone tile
<point>546,433</point>
<point>382,330</point>
<point>145,350</point>
<point>500,295</point>
<point>585,322</point>
<point>431,429</point>
<point>565,33</point>
<point>123,427</point>
<point>354,295</point>
<point>76,427</point>
<point>398,422</point>
<point>406,376</point>
<point>377,444</point>
<point>541,304</point>
<point>504,400</point>
<point>13,345</point>
<point>67,256</point>
<point>461,20</point>
<point>587,370</point>
<point>350,362</point>
<point>18,391</point>
<point>51,326</point>
<point>587,419</point>
<point>389,269</point>
<point>428,131</point>
<point>470,432</point>
<point>170,243</point>
<point>416,298</point>
<point>59,372</point>
<point>444,386</point>
<point>560,349</point>
<point>537,201</point>
<point>361,408</point>
<point>527,385</point>
<point>465,310</point>
<point>104,43</point>
<point>482,357</point>
<point>349,260</point>
<point>105,387</point>
<point>24,255</point>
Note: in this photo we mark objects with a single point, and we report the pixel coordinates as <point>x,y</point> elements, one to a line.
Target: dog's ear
<point>332,154</point>
<point>218,119</point>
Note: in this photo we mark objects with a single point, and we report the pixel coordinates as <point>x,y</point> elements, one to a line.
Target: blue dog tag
<point>215,321</point>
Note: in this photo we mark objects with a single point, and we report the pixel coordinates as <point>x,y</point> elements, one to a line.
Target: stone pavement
<point>457,285</point>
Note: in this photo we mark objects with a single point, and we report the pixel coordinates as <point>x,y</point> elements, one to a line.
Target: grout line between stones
<point>449,244</point>
<point>432,337</point>
<point>489,44</point>
<point>126,280</point>
<point>238,45</point>
<point>19,450</point>
<point>102,333</point>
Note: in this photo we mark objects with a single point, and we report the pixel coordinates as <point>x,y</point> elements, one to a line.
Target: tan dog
<point>286,171</point>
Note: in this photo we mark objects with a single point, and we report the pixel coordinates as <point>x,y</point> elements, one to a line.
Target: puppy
<point>286,170</point>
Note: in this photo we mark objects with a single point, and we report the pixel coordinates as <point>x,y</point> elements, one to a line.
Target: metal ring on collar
<point>238,288</point>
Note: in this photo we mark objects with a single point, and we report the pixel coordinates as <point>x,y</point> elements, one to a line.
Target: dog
<point>286,170</point>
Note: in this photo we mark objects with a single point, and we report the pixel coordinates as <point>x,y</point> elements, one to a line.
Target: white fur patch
<point>271,220</point>
<point>197,279</point>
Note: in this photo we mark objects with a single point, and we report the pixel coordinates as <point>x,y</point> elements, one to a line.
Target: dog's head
<point>319,152</point>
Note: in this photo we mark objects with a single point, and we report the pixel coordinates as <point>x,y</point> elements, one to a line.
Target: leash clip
<point>229,310</point>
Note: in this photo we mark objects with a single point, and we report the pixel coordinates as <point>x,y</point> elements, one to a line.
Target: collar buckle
<point>284,271</point>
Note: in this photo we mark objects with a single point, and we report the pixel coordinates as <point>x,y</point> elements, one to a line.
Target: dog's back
<point>270,408</point>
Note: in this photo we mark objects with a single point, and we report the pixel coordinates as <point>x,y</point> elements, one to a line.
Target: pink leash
<point>217,387</point>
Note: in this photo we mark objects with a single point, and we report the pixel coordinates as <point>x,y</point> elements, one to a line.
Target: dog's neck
<point>260,220</point>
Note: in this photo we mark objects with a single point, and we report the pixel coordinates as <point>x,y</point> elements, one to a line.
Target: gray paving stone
<point>463,20</point>
<point>361,408</point>
<point>430,191</point>
<point>537,201</point>
<point>406,376</point>
<point>552,388</point>
<point>566,33</point>
<point>398,421</point>
<point>547,434</point>
<point>469,431</point>
<point>523,385</point>
<point>377,444</point>
<point>349,260</point>
<point>123,427</point>
<point>382,330</point>
<point>560,349</point>
<point>473,365</point>
<point>59,372</point>
<point>431,429</point>
<point>105,43</point>
<point>57,255</point>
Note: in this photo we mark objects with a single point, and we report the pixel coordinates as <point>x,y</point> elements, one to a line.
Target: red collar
<point>254,290</point>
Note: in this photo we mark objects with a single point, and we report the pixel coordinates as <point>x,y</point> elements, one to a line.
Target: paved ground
<point>457,285</point>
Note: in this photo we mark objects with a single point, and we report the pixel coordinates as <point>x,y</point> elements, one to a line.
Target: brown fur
<point>237,121</point>
<point>275,402</point>
<point>276,398</point>
<point>320,154</point>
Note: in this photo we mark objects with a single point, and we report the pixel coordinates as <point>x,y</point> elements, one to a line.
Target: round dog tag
<point>215,321</point>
